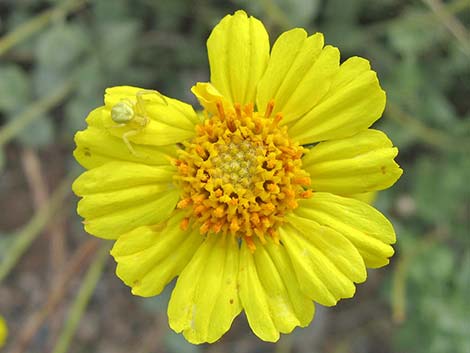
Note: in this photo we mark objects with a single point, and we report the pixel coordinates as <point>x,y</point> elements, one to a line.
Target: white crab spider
<point>126,111</point>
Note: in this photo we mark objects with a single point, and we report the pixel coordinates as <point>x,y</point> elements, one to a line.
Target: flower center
<point>241,174</point>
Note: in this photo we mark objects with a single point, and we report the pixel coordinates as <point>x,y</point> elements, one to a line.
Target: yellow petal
<point>353,102</point>
<point>112,225</point>
<point>238,50</point>
<point>96,146</point>
<point>161,108</point>
<point>115,176</point>
<point>159,120</point>
<point>325,262</point>
<point>120,196</point>
<point>365,227</point>
<point>148,258</point>
<point>298,75</point>
<point>205,299</point>
<point>115,94</point>
<point>209,97</point>
<point>357,164</point>
<point>270,293</point>
<point>367,197</point>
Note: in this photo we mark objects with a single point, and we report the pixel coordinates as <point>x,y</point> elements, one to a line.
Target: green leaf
<point>76,111</point>
<point>299,12</point>
<point>437,306</point>
<point>450,181</point>
<point>14,88</point>
<point>57,52</point>
<point>105,10</point>
<point>339,11</point>
<point>89,96</point>
<point>436,108</point>
<point>402,138</point>
<point>463,276</point>
<point>169,14</point>
<point>46,79</point>
<point>39,133</point>
<point>412,34</point>
<point>404,82</point>
<point>117,42</point>
<point>60,46</point>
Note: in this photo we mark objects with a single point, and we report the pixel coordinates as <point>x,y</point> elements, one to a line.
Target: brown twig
<point>34,177</point>
<point>81,300</point>
<point>55,230</point>
<point>40,195</point>
<point>56,295</point>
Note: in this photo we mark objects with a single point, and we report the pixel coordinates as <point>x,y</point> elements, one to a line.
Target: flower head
<point>251,203</point>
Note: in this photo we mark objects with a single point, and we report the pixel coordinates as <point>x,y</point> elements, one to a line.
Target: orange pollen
<point>269,109</point>
<point>184,223</point>
<point>241,174</point>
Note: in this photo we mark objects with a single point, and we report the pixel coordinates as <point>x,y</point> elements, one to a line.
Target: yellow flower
<point>3,331</point>
<point>251,204</point>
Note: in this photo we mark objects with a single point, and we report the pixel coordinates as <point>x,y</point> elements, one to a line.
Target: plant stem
<point>429,135</point>
<point>276,14</point>
<point>421,18</point>
<point>34,25</point>
<point>81,300</point>
<point>35,226</point>
<point>56,295</point>
<point>452,23</point>
<point>34,111</point>
<point>400,275</point>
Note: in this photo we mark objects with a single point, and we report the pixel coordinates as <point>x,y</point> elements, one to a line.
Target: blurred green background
<point>58,291</point>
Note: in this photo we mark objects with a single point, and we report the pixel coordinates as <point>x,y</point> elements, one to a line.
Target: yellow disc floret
<point>241,174</point>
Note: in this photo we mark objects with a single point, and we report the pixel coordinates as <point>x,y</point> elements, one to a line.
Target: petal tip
<point>241,13</point>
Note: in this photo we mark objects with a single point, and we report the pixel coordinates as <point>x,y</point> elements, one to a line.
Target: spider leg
<point>140,103</point>
<point>143,92</point>
<point>142,120</point>
<point>128,100</point>
<point>125,138</point>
